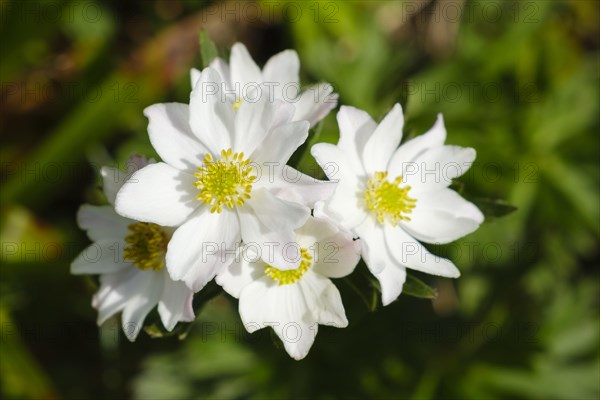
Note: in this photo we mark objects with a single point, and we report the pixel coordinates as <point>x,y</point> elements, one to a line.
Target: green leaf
<point>417,288</point>
<point>20,373</point>
<point>374,299</point>
<point>493,208</point>
<point>122,94</point>
<point>211,364</point>
<point>208,49</point>
<point>577,187</point>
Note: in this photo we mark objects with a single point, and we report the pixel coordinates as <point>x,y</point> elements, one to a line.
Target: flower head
<point>280,79</point>
<point>224,178</point>
<point>129,256</point>
<point>393,197</point>
<point>294,302</point>
<point>226,182</point>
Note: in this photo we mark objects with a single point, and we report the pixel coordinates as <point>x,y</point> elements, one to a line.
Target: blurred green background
<point>517,80</point>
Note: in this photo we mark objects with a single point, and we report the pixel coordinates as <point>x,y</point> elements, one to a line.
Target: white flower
<point>294,302</point>
<point>223,179</point>
<point>129,256</point>
<point>279,78</point>
<point>392,196</point>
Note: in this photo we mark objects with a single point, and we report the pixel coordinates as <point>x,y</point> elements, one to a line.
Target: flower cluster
<point>223,204</point>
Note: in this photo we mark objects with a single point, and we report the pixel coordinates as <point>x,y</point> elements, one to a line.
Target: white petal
<point>391,280</point>
<point>436,167</point>
<point>243,68</point>
<point>276,214</point>
<point>252,123</point>
<point>320,213</point>
<point>345,205</point>
<point>380,261</point>
<point>111,183</point>
<point>323,298</point>
<point>315,103</point>
<point>245,269</point>
<point>410,253</point>
<point>114,178</point>
<point>335,253</point>
<point>279,115</point>
<point>102,257</point>
<point>141,302</point>
<point>356,127</point>
<point>277,248</point>
<point>202,246</point>
<point>114,292</point>
<point>264,303</point>
<point>211,113</point>
<point>384,141</point>
<point>442,216</point>
<point>160,194</point>
<point>409,151</point>
<point>292,185</point>
<point>374,249</point>
<point>335,163</point>
<point>282,68</point>
<point>283,113</point>
<point>172,138</point>
<point>102,222</point>
<point>316,230</point>
<point>219,65</point>
<point>338,255</point>
<point>194,76</point>
<point>119,288</point>
<point>282,143</point>
<point>175,304</point>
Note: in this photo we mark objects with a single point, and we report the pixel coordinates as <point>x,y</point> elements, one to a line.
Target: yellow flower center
<point>293,275</point>
<point>388,200</point>
<point>146,246</point>
<point>237,103</point>
<point>227,181</point>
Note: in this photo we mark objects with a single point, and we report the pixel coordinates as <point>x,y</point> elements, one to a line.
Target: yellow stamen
<point>146,246</point>
<point>388,200</point>
<point>227,181</point>
<point>293,275</point>
<point>237,103</point>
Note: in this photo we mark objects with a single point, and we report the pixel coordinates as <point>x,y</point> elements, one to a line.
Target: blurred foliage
<point>518,81</point>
